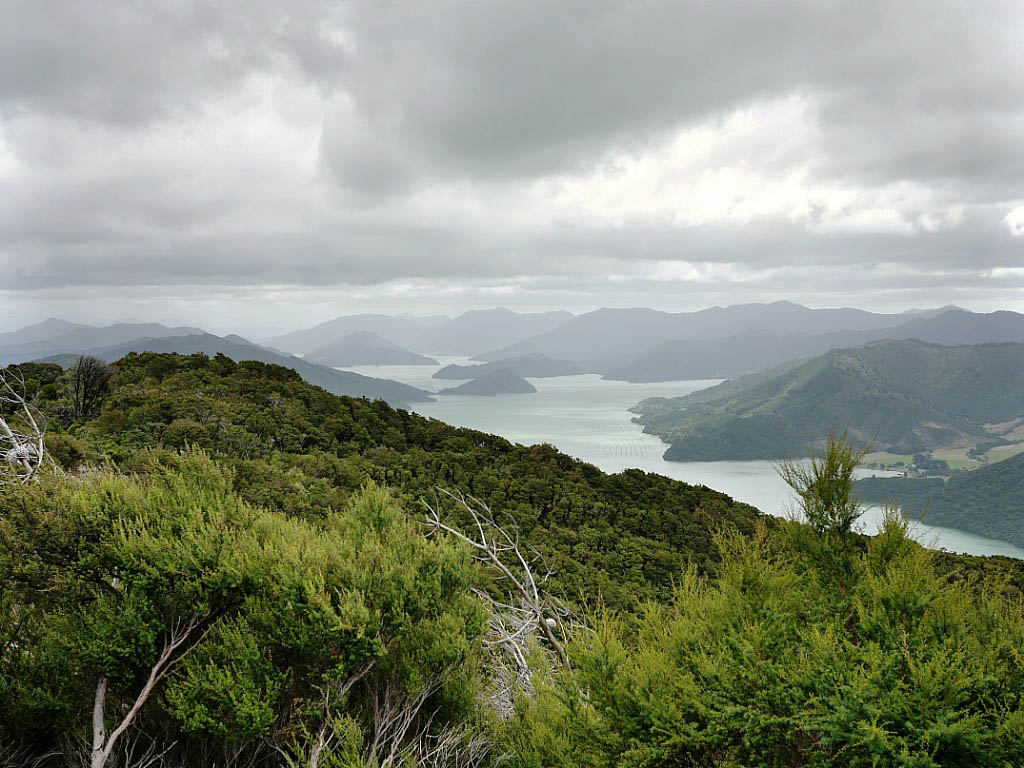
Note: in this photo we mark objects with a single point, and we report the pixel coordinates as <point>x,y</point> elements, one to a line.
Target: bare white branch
<point>499,549</point>
<point>181,640</point>
<point>22,431</point>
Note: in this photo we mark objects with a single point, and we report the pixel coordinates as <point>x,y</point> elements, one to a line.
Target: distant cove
<point>588,417</point>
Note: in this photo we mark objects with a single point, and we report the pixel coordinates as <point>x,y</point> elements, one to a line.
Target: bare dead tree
<point>141,751</point>
<point>454,747</point>
<point>332,694</point>
<point>529,608</point>
<point>527,626</point>
<point>20,756</point>
<point>137,749</point>
<point>22,431</point>
<point>183,637</point>
<point>88,382</point>
<point>394,713</point>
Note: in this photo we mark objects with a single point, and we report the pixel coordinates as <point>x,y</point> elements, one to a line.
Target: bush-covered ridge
<point>900,396</point>
<point>295,448</point>
<point>262,601</point>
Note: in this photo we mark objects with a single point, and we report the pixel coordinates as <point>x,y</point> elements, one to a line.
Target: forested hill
<point>294,447</point>
<point>987,501</point>
<point>902,396</point>
<point>237,348</point>
<point>254,600</point>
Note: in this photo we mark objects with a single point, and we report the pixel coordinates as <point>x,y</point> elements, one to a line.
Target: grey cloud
<point>114,62</point>
<point>480,97</point>
<point>530,88</point>
<point>362,251</point>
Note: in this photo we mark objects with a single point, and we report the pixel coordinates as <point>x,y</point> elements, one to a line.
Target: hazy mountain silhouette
<point>365,348</point>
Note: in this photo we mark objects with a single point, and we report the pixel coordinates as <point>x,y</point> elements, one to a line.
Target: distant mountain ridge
<point>902,396</point>
<point>46,329</point>
<point>756,350</point>
<point>645,345</point>
<point>398,330</point>
<point>469,333</point>
<point>609,337</point>
<point>82,337</point>
<point>365,348</point>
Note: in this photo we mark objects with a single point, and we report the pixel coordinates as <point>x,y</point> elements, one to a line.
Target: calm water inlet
<point>588,418</point>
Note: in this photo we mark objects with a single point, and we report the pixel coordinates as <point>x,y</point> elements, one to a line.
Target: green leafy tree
<point>762,667</point>
<point>134,607</point>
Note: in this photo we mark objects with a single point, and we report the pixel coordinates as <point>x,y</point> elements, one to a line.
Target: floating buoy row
<point>627,450</point>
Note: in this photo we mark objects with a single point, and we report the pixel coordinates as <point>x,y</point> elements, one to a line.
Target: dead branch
<point>528,608</point>
<point>333,693</point>
<point>394,712</point>
<point>454,747</point>
<point>22,443</point>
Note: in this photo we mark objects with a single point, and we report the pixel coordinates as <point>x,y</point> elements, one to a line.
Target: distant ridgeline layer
<point>987,501</point>
<point>901,396</point>
<point>296,448</point>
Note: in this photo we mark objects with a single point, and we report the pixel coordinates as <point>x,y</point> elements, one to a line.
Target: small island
<point>365,348</point>
<point>535,366</point>
<point>496,382</point>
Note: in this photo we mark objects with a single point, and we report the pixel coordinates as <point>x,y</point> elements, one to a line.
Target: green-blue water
<point>588,418</point>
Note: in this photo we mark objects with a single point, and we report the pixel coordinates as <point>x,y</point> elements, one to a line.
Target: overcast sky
<point>249,165</point>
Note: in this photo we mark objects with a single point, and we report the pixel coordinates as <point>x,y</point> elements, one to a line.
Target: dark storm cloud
<point>910,90</point>
<point>129,62</point>
<point>359,144</point>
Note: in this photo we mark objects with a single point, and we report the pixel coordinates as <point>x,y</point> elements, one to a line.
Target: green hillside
<point>235,567</point>
<point>237,348</point>
<point>905,397</point>
<point>987,501</point>
<point>292,446</point>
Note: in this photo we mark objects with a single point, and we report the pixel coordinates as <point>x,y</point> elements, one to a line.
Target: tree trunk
<point>99,730</point>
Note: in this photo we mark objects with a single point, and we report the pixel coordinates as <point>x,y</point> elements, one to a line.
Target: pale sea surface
<point>589,418</point>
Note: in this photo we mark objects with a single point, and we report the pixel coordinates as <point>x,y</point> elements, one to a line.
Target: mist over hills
<point>758,349</point>
<point>54,337</point>
<point>469,333</point>
<point>613,336</point>
<point>640,345</point>
<point>365,348</point>
<point>900,396</point>
<point>398,330</point>
<point>45,329</point>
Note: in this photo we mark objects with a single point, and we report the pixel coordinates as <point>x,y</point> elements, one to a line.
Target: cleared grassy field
<point>1003,452</point>
<point>887,460</point>
<point>957,458</point>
